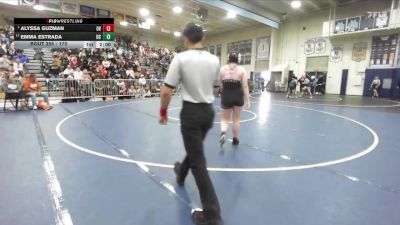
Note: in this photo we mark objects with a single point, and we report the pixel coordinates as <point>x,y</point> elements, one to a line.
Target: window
<point>212,49</point>
<point>244,50</point>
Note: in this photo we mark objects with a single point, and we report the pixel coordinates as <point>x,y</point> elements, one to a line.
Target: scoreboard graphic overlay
<point>64,33</point>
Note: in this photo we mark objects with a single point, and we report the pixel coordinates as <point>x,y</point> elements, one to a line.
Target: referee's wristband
<point>163,112</point>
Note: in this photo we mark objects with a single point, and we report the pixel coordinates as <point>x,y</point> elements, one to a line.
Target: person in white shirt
<point>106,63</point>
<point>82,54</point>
<point>110,55</point>
<point>78,74</point>
<point>142,80</point>
<point>18,68</point>
<point>4,62</point>
<point>376,83</point>
<point>197,71</point>
<point>130,73</point>
<point>68,71</point>
<point>120,51</point>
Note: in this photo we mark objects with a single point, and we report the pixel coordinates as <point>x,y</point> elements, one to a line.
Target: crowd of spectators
<point>12,61</point>
<point>117,63</point>
<point>128,68</point>
<point>132,72</point>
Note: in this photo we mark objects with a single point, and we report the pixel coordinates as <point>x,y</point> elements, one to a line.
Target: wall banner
<point>359,51</point>
<point>320,45</point>
<point>309,46</point>
<point>102,13</point>
<point>87,11</point>
<point>263,46</point>
<point>70,8</point>
<point>336,53</point>
<point>51,5</point>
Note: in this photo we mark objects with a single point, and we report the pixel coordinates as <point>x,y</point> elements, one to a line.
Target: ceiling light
<point>10,2</point>
<point>204,30</point>
<point>295,4</point>
<point>38,7</point>
<point>150,21</point>
<point>144,11</point>
<point>231,15</point>
<point>124,23</point>
<point>177,9</point>
<point>144,25</point>
<point>177,34</point>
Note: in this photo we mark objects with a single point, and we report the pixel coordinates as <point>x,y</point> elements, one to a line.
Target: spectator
<point>85,84</point>
<point>120,51</point>
<point>122,89</point>
<point>376,83</point>
<point>33,90</point>
<point>103,72</point>
<point>57,62</point>
<point>292,87</point>
<point>129,73</point>
<point>86,77</point>
<point>321,84</point>
<point>68,71</point>
<point>45,69</point>
<point>11,85</point>
<point>74,62</point>
<point>142,80</point>
<point>4,62</point>
<point>106,63</point>
<point>38,55</point>
<point>82,54</point>
<point>78,74</point>
<point>18,68</point>
<point>21,58</point>
<point>64,61</point>
<point>4,41</point>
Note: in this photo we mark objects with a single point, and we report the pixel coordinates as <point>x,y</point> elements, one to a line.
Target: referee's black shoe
<point>177,169</point>
<point>199,219</point>
<point>235,141</point>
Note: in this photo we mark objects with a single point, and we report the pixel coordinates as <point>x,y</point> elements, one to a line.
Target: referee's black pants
<point>196,120</point>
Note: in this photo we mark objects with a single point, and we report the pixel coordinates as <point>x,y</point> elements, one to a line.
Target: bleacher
<point>34,66</point>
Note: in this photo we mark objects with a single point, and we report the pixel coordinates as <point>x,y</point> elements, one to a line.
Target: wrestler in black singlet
<point>232,94</point>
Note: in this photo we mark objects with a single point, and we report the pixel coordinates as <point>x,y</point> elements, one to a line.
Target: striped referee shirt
<point>198,72</point>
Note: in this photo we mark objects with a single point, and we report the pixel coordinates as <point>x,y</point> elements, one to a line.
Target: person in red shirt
<point>74,62</point>
<point>33,89</point>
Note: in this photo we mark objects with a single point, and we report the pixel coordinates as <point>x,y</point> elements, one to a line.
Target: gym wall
<point>240,35</point>
<point>155,40</point>
<point>294,32</point>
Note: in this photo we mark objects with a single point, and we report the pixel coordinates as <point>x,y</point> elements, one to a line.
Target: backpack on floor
<point>43,105</point>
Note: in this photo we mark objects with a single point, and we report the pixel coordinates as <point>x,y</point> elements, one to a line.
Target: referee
<point>198,73</point>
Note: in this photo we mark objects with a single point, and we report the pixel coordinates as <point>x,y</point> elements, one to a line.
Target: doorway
<point>343,86</point>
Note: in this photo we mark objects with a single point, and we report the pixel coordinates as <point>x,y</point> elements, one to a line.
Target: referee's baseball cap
<point>193,32</point>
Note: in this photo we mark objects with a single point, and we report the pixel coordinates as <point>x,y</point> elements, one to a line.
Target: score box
<point>108,36</point>
<point>108,27</point>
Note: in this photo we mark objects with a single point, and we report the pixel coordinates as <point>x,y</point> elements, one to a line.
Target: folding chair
<point>12,96</point>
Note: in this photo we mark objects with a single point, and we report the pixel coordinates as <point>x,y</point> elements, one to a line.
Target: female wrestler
<point>234,89</point>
